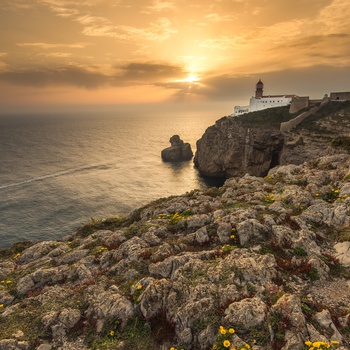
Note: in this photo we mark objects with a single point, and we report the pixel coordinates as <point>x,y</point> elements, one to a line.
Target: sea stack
<point>178,151</point>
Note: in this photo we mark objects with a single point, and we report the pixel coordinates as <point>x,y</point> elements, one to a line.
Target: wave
<point>58,174</point>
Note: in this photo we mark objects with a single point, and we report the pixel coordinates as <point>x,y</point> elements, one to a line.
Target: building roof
<point>274,96</point>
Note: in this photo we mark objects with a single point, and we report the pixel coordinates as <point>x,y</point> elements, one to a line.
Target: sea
<point>59,171</point>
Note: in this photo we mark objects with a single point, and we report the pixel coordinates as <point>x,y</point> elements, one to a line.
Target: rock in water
<point>228,149</point>
<point>177,151</point>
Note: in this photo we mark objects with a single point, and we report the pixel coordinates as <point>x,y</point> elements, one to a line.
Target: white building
<point>260,102</point>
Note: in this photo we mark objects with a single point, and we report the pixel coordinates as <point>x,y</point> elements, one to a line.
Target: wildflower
<point>247,346</point>
<point>139,286</point>
<point>223,331</point>
<point>172,348</point>
<point>226,343</point>
<point>16,255</point>
<point>214,347</point>
<point>111,333</point>
<point>8,282</point>
<point>308,343</point>
<point>231,330</point>
<point>316,344</point>
<point>317,195</point>
<point>1,306</point>
<point>232,236</point>
<point>334,342</point>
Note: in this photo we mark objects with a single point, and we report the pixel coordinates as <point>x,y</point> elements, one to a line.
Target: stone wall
<point>298,103</point>
<point>340,96</point>
<point>286,126</point>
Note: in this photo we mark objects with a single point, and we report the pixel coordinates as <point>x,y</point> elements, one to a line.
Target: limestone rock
<point>178,151</point>
<point>343,253</point>
<point>247,313</point>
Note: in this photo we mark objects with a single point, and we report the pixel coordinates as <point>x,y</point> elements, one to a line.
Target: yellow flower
<point>232,236</point>
<point>214,347</point>
<point>316,344</point>
<point>231,330</point>
<point>223,331</point>
<point>172,348</point>
<point>247,346</point>
<point>226,343</point>
<point>334,342</point>
<point>139,286</point>
<point>8,281</point>
<point>111,333</point>
<point>308,343</point>
<point>1,306</point>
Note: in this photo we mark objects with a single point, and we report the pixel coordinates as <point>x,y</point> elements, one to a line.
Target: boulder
<point>178,150</point>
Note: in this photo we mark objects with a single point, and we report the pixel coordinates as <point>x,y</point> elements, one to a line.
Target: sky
<point>197,53</point>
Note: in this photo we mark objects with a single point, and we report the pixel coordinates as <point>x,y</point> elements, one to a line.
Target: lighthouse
<point>259,89</point>
<point>259,101</point>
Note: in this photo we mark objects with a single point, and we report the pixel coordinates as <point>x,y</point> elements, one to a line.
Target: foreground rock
<point>253,262</point>
<point>178,151</point>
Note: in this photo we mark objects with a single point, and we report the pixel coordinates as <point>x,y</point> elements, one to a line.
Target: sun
<point>191,79</point>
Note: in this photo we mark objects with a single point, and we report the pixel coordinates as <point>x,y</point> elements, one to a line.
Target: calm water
<point>57,172</point>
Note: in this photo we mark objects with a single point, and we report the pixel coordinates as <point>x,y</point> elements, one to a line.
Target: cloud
<point>215,17</point>
<point>148,72</point>
<point>57,54</point>
<point>68,75</point>
<point>41,45</point>
<point>223,42</point>
<point>128,74</point>
<point>160,6</point>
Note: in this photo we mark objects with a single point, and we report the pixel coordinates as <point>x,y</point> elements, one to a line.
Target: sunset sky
<point>198,52</point>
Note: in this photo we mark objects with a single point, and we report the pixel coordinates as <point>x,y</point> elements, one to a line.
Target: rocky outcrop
<point>178,150</point>
<point>314,137</point>
<point>253,262</point>
<point>229,149</point>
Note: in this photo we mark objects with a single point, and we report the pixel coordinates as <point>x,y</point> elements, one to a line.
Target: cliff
<point>260,263</point>
<point>253,143</point>
<point>230,149</point>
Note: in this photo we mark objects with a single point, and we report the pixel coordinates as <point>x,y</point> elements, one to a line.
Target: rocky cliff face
<point>260,263</point>
<point>230,149</point>
<point>252,144</point>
